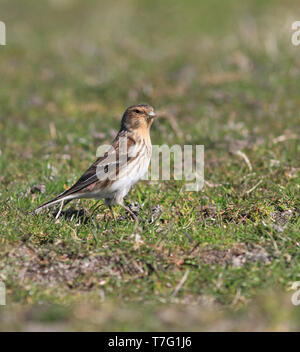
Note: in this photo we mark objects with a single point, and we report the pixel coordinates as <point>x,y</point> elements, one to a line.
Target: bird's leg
<point>129,211</point>
<point>112,212</point>
<point>109,202</point>
<point>60,209</point>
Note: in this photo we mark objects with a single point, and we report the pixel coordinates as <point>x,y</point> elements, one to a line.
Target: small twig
<point>253,188</point>
<point>182,281</point>
<point>284,138</point>
<point>52,129</point>
<point>196,245</point>
<point>212,185</point>
<point>277,251</point>
<point>244,156</point>
<point>60,209</point>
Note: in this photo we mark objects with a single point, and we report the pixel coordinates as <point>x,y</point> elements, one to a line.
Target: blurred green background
<point>220,73</point>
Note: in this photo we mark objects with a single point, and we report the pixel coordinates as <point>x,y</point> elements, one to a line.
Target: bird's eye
<point>137,111</point>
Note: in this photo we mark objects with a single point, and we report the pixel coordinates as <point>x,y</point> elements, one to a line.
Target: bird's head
<point>138,117</point>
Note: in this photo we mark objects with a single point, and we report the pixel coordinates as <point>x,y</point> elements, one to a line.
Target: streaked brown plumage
<point>113,174</point>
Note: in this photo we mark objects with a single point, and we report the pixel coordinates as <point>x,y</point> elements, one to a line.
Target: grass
<point>221,74</point>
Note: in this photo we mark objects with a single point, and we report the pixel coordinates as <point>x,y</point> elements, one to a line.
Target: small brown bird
<point>112,175</point>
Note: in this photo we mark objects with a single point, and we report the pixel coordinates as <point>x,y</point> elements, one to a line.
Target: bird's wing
<point>103,171</point>
<point>107,166</point>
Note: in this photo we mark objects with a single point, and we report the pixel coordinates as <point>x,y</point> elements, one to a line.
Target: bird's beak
<point>152,114</point>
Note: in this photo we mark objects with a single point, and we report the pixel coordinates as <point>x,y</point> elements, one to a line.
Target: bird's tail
<point>53,201</point>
